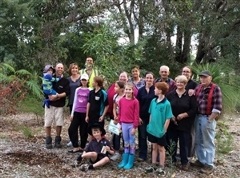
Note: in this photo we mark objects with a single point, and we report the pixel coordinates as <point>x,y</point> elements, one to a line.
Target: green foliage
<point>31,104</point>
<point>27,131</point>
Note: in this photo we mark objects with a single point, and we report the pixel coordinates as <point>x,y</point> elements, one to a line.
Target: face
<point>74,69</point>
<point>84,82</point>
<point>187,72</point>
<point>164,72</point>
<point>50,71</point>
<point>157,91</point>
<point>149,79</point>
<point>96,133</point>
<point>135,73</point>
<point>116,88</point>
<point>123,77</point>
<point>89,62</point>
<point>128,91</point>
<point>180,84</point>
<point>59,69</point>
<point>205,81</point>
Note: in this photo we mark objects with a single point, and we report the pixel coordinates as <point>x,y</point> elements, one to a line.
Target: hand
<point>53,97</point>
<point>191,92</point>
<point>101,119</point>
<point>180,117</point>
<point>107,148</point>
<point>174,121</point>
<point>133,131</point>
<point>140,121</point>
<point>116,120</point>
<point>86,119</point>
<point>71,118</point>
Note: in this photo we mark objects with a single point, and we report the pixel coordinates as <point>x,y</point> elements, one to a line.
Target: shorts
<point>160,141</point>
<point>99,157</point>
<point>53,116</point>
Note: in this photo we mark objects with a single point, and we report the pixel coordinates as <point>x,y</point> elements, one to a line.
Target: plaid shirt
<point>202,99</point>
<point>170,82</point>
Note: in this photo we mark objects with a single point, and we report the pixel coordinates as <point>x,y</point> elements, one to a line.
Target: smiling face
<point>123,77</point>
<point>187,72</point>
<point>149,79</point>
<point>181,82</point>
<point>135,72</point>
<point>74,69</point>
<point>129,90</point>
<point>96,133</point>
<point>205,80</point>
<point>59,69</point>
<point>164,72</point>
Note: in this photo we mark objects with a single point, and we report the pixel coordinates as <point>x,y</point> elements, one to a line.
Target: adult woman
<point>184,109</point>
<point>137,81</point>
<point>145,96</point>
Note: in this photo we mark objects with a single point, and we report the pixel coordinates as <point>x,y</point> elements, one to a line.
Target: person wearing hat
<point>78,115</point>
<point>98,149</point>
<point>47,83</point>
<point>209,99</point>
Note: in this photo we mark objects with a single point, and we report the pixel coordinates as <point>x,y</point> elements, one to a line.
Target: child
<point>129,120</point>
<point>97,103</point>
<point>47,83</point>
<point>160,115</point>
<point>78,116</point>
<point>97,150</point>
<point>119,90</point>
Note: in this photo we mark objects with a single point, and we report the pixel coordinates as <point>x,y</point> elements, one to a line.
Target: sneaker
<point>69,144</point>
<point>140,159</point>
<point>197,163</point>
<point>207,169</point>
<point>115,157</point>
<point>160,171</point>
<point>151,168</point>
<point>84,167</point>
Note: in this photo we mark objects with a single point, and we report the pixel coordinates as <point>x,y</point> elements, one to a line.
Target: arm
<point>74,102</point>
<point>217,103</point>
<point>87,112</point>
<point>104,113</point>
<point>166,124</point>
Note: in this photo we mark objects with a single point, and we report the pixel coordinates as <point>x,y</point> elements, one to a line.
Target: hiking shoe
<point>48,142</point>
<point>185,167</point>
<point>160,171</point>
<point>207,169</point>
<point>84,167</point>
<point>140,159</point>
<point>197,163</point>
<point>58,142</point>
<point>115,157</point>
<point>151,168</point>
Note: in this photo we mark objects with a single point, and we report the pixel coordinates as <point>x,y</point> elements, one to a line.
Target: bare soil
<point>24,157</point>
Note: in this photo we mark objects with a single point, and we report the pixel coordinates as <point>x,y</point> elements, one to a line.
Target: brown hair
<point>120,84</point>
<point>162,86</point>
<point>70,68</point>
<point>136,67</point>
<point>130,84</point>
<point>99,81</point>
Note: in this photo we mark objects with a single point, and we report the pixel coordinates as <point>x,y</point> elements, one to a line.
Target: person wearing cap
<point>78,116</point>
<point>98,149</point>
<point>90,70</point>
<point>47,83</point>
<point>53,116</point>
<point>209,99</point>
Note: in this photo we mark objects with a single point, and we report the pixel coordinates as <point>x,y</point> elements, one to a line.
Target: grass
<point>31,105</point>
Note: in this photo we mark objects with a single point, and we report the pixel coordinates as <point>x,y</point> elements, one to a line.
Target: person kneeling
<point>98,149</point>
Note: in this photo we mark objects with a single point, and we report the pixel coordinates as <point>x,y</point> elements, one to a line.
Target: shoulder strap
<point>198,90</point>
<point>210,95</point>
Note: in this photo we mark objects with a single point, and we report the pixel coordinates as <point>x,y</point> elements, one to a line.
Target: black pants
<point>78,121</point>
<point>142,139</point>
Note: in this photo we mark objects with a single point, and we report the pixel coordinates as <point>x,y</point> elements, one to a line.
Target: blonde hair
<point>182,79</point>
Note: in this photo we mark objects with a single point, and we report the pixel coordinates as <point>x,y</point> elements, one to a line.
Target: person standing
<point>145,96</point>
<point>54,114</point>
<point>209,99</point>
<point>137,81</point>
<point>129,120</point>
<point>184,109</point>
<point>90,70</point>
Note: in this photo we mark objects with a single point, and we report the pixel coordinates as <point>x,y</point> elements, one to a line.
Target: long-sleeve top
<point>145,99</point>
<point>191,84</point>
<point>129,111</point>
<point>170,82</point>
<point>80,100</point>
<point>47,83</point>
<point>182,104</point>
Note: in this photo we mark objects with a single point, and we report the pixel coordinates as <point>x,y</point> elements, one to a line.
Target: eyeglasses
<point>185,71</point>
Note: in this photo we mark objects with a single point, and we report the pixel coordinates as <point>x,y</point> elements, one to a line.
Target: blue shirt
<point>160,112</point>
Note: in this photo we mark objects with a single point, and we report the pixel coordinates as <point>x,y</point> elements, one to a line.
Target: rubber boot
<point>129,165</point>
<point>124,160</point>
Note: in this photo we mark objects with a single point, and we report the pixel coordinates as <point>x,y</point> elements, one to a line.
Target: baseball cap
<point>47,67</point>
<point>205,73</point>
<point>84,76</point>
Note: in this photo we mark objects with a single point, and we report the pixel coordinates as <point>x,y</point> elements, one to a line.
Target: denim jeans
<point>204,139</point>
<point>142,140</point>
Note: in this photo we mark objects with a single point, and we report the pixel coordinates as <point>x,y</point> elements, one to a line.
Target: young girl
<point>119,90</point>
<point>129,120</point>
<point>78,115</point>
<point>160,115</point>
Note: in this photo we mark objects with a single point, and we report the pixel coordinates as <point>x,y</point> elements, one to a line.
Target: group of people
<point>168,113</point>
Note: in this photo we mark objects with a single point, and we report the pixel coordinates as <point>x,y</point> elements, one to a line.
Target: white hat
<point>84,76</point>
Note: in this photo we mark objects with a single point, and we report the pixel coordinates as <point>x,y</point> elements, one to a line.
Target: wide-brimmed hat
<point>47,67</point>
<point>205,73</point>
<point>96,126</point>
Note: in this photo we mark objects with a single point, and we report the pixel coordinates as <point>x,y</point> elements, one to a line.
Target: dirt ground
<point>24,157</point>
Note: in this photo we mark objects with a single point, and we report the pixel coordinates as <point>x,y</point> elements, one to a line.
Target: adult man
<point>54,114</point>
<point>209,98</point>
<point>164,77</point>
<point>90,70</point>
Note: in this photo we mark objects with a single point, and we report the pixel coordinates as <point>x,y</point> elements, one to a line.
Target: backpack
<point>210,95</point>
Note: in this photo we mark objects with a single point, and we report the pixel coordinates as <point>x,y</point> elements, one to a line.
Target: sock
<point>91,166</point>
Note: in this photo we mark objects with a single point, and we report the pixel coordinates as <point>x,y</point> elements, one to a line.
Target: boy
<point>47,83</point>
<point>160,115</point>
<point>98,149</point>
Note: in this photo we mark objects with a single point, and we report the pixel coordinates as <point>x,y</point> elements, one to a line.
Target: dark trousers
<point>183,137</point>
<point>142,140</point>
<point>116,141</point>
<point>78,121</point>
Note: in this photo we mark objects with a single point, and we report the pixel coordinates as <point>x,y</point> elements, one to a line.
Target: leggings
<point>129,139</point>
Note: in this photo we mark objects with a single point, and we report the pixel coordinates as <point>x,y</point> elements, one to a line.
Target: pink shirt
<point>129,111</point>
